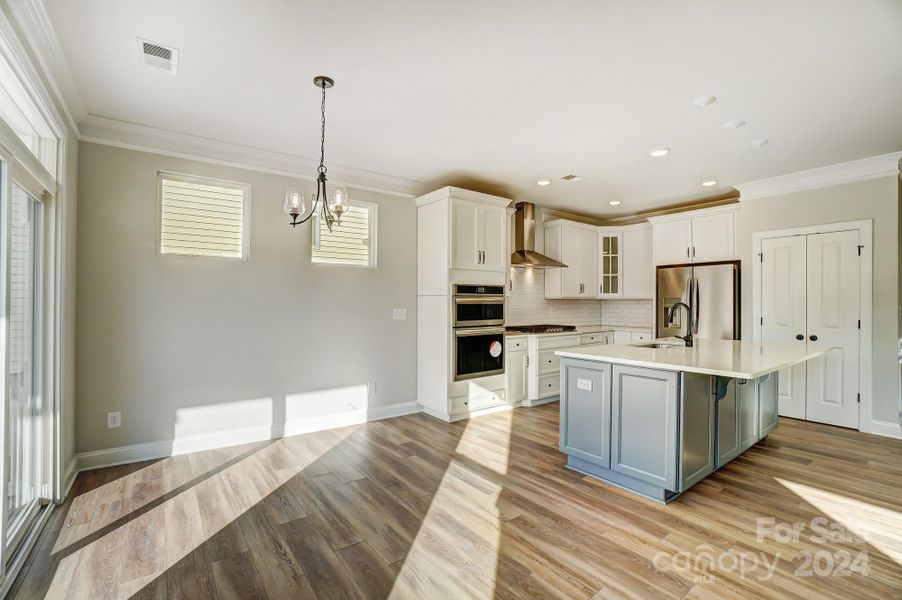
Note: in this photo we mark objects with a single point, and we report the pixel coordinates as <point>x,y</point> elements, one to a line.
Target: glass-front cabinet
<point>610,265</point>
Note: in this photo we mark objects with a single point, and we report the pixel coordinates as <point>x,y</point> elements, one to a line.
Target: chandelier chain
<point>322,137</point>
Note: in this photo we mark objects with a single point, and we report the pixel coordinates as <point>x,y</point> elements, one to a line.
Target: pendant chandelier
<point>331,201</point>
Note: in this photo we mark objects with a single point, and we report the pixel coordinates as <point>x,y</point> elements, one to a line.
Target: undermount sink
<point>660,345</point>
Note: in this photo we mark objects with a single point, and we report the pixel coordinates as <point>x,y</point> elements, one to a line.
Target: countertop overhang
<point>725,358</point>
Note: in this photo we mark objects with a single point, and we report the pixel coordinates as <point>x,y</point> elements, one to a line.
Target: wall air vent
<point>573,178</point>
<point>158,56</point>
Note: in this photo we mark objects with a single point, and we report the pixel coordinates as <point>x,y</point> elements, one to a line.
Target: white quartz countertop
<point>588,329</point>
<point>726,358</point>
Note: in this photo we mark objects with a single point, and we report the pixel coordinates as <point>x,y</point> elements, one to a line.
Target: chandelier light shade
<point>330,201</point>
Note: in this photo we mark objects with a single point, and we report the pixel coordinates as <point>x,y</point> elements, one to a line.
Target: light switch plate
<point>113,420</point>
<point>584,384</point>
<point>399,314</point>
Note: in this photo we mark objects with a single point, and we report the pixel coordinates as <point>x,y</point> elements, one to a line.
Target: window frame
<point>372,244</point>
<point>203,180</point>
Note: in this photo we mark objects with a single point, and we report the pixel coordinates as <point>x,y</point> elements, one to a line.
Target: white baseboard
<point>69,477</point>
<point>109,457</point>
<point>886,429</point>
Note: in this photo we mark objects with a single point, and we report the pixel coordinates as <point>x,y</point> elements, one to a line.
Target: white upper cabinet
<point>637,264</point>
<point>575,245</point>
<point>698,236</point>
<point>479,233</point>
<point>610,264</point>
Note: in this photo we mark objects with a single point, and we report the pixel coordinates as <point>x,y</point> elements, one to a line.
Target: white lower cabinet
<point>516,376</point>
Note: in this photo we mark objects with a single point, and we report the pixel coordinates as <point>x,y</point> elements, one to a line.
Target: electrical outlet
<point>399,314</point>
<point>113,420</point>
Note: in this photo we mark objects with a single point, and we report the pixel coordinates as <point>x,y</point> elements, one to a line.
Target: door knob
<point>813,338</point>
<point>800,337</point>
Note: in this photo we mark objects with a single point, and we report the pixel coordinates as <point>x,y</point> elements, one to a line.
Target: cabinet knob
<point>813,338</point>
<point>800,337</point>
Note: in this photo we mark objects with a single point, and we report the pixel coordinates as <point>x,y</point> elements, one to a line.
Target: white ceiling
<point>495,95</point>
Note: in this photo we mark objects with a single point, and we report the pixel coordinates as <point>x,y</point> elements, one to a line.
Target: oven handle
<point>470,331</point>
<point>478,300</point>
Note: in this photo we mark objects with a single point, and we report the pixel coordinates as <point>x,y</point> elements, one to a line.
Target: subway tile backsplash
<point>527,305</point>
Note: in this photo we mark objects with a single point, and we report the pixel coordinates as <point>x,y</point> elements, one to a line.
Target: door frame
<point>865,228</point>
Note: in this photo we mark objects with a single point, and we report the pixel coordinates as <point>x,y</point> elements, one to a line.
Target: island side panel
<point>585,406</point>
<point>767,404</point>
<point>697,424</point>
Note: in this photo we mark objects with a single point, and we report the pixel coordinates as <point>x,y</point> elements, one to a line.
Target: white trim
<point>39,34</point>
<point>208,441</point>
<point>865,230</point>
<point>847,172</point>
<point>462,194</point>
<point>886,429</point>
<point>119,134</point>
<point>691,213</point>
<point>68,478</point>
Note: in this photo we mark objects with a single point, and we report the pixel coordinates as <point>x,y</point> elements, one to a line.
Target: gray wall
<point>222,343</point>
<point>876,199</point>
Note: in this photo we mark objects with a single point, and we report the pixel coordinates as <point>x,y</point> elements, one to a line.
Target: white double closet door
<point>810,295</point>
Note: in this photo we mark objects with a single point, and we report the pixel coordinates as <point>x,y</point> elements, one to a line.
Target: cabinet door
<point>767,404</point>
<point>465,238</point>
<point>644,425</point>
<point>672,242</point>
<point>570,275</point>
<point>696,430</point>
<point>493,233</point>
<point>714,237</point>
<point>748,415</point>
<point>516,376</point>
<point>586,411</point>
<point>610,265</point>
<point>588,263</point>
<point>638,264</point>
<point>727,402</point>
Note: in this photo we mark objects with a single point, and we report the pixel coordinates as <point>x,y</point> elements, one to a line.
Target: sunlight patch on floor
<point>126,559</point>
<point>878,526</point>
<point>463,513</point>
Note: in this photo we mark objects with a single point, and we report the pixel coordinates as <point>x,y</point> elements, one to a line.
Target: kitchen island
<point>656,418</point>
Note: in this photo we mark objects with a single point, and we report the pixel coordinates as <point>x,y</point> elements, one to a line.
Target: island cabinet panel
<point>586,411</point>
<point>696,432</point>
<point>644,425</point>
<point>748,414</point>
<point>767,404</point>
<point>726,397</point>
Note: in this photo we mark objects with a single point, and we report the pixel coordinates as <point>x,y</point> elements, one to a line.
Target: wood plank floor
<point>415,508</point>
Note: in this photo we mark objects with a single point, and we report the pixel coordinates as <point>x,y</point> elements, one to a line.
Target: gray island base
<point>657,426</point>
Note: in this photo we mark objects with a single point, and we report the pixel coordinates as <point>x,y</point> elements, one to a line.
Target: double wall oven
<point>478,318</point>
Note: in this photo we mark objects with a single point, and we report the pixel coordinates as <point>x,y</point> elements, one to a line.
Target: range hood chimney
<point>525,254</point>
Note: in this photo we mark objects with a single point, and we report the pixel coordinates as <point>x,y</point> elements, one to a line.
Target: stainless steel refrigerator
<point>712,292</point>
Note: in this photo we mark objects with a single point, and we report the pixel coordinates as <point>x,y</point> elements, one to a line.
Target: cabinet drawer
<point>639,337</point>
<point>549,385</point>
<point>516,343</point>
<point>591,338</point>
<point>558,341</point>
<point>549,362</point>
<point>463,404</point>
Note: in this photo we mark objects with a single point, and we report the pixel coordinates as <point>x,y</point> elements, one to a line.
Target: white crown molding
<point>121,134</point>
<point>40,36</point>
<point>848,172</point>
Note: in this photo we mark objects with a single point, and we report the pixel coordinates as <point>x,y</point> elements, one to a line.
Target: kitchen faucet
<point>671,313</point>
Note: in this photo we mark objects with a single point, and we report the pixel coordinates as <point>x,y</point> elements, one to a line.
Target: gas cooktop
<point>540,328</point>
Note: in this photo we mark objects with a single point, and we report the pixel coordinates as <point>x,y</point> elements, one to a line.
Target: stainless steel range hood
<point>525,254</point>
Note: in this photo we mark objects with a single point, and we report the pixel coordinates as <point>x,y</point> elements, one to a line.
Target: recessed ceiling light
<point>734,125</point>
<point>543,182</point>
<point>659,152</point>
<point>704,101</point>
<point>709,182</point>
<point>614,202</point>
<point>759,143</point>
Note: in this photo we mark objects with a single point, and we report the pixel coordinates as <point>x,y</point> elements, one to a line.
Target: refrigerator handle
<point>696,307</point>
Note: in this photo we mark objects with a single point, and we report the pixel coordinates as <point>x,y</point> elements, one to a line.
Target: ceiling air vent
<point>158,56</point>
<point>573,178</point>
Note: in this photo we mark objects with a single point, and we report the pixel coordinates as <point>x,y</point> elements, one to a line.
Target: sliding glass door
<point>25,447</point>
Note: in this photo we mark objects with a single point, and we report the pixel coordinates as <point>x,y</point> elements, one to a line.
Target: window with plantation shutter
<point>351,243</point>
<point>202,217</point>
